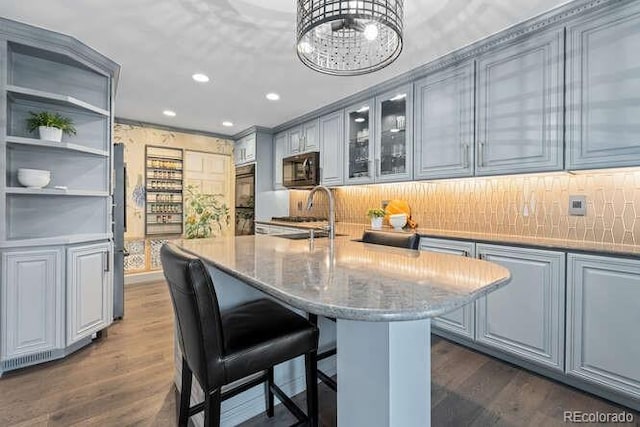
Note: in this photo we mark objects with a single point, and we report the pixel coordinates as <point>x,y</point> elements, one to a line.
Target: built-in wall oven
<point>301,171</point>
<point>245,199</point>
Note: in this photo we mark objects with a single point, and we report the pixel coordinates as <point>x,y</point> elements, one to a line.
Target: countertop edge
<point>369,315</point>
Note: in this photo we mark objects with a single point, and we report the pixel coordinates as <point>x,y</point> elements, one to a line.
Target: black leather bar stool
<point>221,347</point>
<point>395,239</point>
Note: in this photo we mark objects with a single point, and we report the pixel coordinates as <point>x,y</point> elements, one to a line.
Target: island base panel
<point>384,373</point>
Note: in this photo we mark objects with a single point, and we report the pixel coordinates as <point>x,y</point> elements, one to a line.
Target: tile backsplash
<point>533,205</point>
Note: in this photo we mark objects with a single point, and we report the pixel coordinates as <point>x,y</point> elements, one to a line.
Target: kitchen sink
<point>302,236</point>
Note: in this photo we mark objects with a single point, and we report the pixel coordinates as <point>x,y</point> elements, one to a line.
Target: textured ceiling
<point>247,48</point>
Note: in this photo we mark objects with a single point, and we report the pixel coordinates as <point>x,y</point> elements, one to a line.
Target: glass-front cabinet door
<point>359,159</point>
<point>393,135</point>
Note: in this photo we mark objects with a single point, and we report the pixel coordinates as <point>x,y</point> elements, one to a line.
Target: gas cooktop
<point>298,218</point>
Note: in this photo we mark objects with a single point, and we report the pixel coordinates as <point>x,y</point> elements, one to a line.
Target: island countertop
<point>351,280</point>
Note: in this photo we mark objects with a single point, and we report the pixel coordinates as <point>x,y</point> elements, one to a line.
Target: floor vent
<point>19,362</point>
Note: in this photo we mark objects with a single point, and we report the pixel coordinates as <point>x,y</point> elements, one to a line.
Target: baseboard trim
<point>147,277</point>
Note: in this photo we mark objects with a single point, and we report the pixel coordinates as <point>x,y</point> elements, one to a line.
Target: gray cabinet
<point>393,134</point>
<point>245,150</point>
<point>280,151</point>
<point>444,117</point>
<point>526,317</point>
<point>304,138</point>
<point>462,321</point>
<point>359,147</point>
<point>32,302</point>
<point>603,318</point>
<point>89,290</point>
<point>520,106</point>
<point>603,90</point>
<point>332,154</point>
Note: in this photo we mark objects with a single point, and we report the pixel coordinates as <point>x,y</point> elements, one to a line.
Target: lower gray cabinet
<point>525,317</point>
<point>89,290</point>
<point>460,322</point>
<point>603,322</point>
<point>32,296</point>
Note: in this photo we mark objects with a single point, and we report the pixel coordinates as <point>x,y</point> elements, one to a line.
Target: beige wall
<point>523,205</point>
<point>144,252</point>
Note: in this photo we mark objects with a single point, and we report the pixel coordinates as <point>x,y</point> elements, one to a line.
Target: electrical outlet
<point>577,205</point>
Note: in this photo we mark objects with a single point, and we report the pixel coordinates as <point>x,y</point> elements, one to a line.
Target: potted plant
<point>50,126</point>
<point>376,215</point>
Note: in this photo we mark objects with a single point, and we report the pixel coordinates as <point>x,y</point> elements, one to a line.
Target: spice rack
<point>164,199</point>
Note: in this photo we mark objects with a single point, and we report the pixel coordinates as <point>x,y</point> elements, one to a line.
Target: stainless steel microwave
<point>301,171</point>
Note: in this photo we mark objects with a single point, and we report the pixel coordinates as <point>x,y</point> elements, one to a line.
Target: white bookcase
<point>46,71</point>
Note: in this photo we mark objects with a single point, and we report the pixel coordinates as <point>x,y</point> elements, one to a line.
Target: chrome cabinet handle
<point>105,261</point>
<point>378,165</point>
<point>371,168</point>
<point>481,154</point>
<point>465,254</point>
<point>480,256</point>
<point>467,155</point>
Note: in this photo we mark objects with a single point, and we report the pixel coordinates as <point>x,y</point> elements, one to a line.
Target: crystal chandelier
<point>349,37</point>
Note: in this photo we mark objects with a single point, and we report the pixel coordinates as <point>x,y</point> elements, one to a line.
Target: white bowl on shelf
<point>34,178</point>
<point>398,221</point>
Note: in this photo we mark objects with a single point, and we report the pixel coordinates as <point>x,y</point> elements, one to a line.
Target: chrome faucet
<point>332,208</point>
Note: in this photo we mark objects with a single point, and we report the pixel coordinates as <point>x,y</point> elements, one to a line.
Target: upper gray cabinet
<point>245,150</point>
<point>304,138</point>
<point>525,317</point>
<point>394,135</point>
<point>332,154</point>
<point>444,115</point>
<point>603,338</point>
<point>520,106</point>
<point>359,155</point>
<point>603,90</point>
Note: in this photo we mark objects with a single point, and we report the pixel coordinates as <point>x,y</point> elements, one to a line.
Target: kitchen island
<point>383,299</point>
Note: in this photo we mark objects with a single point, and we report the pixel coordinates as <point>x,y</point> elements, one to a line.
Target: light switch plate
<point>577,205</point>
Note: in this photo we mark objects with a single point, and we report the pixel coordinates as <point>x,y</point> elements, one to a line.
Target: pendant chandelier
<point>349,37</point>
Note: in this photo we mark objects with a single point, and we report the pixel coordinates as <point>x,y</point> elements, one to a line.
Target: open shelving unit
<point>164,199</point>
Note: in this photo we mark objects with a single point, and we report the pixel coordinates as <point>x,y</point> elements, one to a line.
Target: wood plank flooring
<point>126,379</point>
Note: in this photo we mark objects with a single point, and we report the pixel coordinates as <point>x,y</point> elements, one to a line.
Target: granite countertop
<point>355,230</point>
<point>351,280</point>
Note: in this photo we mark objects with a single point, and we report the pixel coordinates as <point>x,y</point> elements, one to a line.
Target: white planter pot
<point>50,133</point>
<point>376,223</point>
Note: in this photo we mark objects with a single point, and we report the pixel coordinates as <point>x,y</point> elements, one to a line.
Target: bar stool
<point>221,347</point>
<point>394,239</point>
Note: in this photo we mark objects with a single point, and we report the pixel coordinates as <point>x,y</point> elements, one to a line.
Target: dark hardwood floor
<point>126,378</point>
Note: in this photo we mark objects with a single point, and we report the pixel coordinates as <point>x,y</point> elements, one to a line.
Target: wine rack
<point>164,198</point>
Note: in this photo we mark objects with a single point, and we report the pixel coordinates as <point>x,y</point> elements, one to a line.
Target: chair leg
<point>185,395</point>
<point>212,409</point>
<point>268,393</point>
<point>311,366</point>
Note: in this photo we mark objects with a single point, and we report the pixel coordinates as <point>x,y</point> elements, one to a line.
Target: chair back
<point>197,314</point>
<point>395,239</point>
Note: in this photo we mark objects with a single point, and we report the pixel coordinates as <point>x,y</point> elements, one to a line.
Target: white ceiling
<point>247,47</point>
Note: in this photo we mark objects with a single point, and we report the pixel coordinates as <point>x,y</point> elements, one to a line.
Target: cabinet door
<point>311,136</point>
<point>394,135</point>
<point>238,152</point>
<point>461,321</point>
<point>332,143</point>
<point>296,138</point>
<point>280,151</point>
<point>603,315</point>
<point>444,111</point>
<point>359,155</point>
<point>89,290</point>
<point>520,107</point>
<point>249,148</point>
<point>525,317</point>
<point>32,296</point>
<point>603,90</point>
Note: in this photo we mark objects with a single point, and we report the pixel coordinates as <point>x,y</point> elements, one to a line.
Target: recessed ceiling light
<point>359,120</point>
<point>169,113</point>
<point>200,78</point>
<point>273,96</point>
<point>227,124</point>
